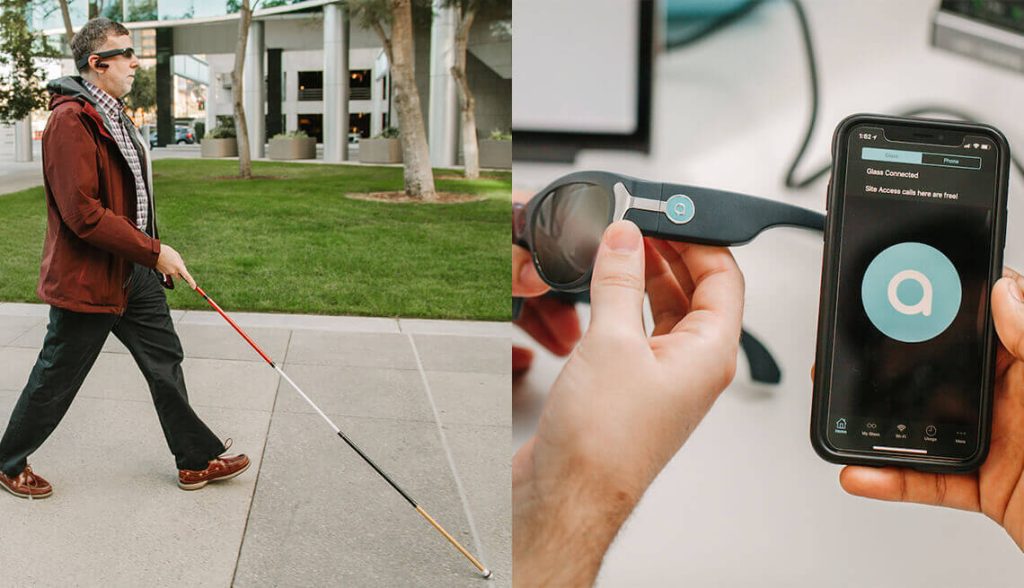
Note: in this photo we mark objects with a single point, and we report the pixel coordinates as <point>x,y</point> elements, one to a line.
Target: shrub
<point>221,132</point>
<point>299,134</point>
<point>500,135</point>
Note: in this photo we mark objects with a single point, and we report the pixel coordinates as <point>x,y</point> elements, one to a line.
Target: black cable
<point>812,70</point>
<point>732,16</point>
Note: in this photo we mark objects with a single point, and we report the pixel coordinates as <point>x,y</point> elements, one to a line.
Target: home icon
<point>841,424</point>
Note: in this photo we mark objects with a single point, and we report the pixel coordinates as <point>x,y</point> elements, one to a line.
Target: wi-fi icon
<point>901,428</point>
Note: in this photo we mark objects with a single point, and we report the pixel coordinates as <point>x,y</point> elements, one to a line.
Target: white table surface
<point>747,501</point>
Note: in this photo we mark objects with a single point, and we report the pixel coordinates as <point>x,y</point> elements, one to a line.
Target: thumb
<point>617,286</point>
<point>1008,314</point>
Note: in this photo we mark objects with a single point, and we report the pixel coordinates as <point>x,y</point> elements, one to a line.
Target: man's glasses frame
<point>128,52</point>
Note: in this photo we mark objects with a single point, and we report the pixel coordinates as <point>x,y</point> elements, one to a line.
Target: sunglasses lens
<point>129,53</point>
<point>567,230</point>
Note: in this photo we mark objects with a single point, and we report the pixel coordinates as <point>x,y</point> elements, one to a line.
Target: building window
<point>313,124</point>
<point>359,124</point>
<point>311,86</point>
<point>359,84</point>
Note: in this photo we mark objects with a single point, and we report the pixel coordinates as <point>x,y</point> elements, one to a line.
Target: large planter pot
<point>219,147</point>
<point>380,151</point>
<point>292,148</point>
<point>496,154</point>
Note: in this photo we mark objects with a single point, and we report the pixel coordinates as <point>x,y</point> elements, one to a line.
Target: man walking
<point>97,274</point>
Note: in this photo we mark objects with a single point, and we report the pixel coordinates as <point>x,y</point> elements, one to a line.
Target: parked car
<point>182,136</point>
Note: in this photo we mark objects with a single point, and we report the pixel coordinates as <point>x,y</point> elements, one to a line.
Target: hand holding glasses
<point>562,227</point>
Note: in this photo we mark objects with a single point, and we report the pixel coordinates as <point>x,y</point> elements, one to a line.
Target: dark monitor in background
<point>588,69</point>
<point>990,31</point>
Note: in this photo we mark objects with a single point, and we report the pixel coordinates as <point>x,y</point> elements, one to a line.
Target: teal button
<point>679,209</point>
<point>911,292</point>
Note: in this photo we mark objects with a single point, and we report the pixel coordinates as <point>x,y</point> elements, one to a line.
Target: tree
<point>241,128</point>
<point>396,15</point>
<point>143,94</point>
<point>466,11</point>
<point>21,81</point>
<point>69,31</point>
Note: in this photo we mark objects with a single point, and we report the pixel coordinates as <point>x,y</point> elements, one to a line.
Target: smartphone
<point>914,234</point>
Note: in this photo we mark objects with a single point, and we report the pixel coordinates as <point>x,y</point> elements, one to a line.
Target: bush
<point>388,133</point>
<point>500,135</point>
<point>221,132</point>
<point>200,129</point>
<point>299,134</point>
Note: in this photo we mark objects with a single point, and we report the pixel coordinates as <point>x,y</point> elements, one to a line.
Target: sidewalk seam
<point>263,454</point>
<point>448,453</point>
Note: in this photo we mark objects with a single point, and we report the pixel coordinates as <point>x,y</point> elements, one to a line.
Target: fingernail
<point>624,237</point>
<point>1015,291</point>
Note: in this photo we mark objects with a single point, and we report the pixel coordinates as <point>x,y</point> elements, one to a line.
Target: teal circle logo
<point>911,292</point>
<point>679,209</point>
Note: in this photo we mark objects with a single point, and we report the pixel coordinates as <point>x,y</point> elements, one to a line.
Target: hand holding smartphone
<point>913,244</point>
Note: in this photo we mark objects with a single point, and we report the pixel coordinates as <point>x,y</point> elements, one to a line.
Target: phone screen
<point>915,253</point>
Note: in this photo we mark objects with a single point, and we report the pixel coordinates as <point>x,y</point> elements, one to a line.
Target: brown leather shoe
<point>224,467</point>
<point>26,485</point>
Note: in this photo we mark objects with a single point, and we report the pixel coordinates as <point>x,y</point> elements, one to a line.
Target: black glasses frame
<point>712,217</point>
<point>128,52</point>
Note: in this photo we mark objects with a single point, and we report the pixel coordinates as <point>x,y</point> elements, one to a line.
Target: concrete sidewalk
<point>428,400</point>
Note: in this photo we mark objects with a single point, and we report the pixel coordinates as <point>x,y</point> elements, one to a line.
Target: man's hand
<point>997,488</point>
<point>552,323</point>
<point>170,264</point>
<point>624,403</point>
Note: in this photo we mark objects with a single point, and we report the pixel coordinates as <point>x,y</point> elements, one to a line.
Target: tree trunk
<point>69,31</point>
<point>467,103</point>
<point>419,177</point>
<point>237,95</point>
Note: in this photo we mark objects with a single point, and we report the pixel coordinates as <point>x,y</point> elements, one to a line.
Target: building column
<point>23,139</point>
<point>211,101</point>
<point>164,87</point>
<point>254,90</point>
<point>336,77</point>
<point>444,114</point>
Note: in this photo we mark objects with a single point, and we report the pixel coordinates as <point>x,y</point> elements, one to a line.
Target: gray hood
<point>70,86</point>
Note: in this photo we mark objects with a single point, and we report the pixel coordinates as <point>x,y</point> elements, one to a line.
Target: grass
<point>296,244</point>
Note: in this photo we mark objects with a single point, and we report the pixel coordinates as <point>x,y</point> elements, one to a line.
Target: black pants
<point>73,342</point>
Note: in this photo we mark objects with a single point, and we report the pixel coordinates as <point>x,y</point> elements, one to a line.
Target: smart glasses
<point>128,52</point>
<point>562,225</point>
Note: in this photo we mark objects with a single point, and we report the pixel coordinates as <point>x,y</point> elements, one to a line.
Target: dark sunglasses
<point>562,225</point>
<point>127,52</point>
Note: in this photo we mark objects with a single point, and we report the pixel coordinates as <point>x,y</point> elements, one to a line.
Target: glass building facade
<point>47,16</point>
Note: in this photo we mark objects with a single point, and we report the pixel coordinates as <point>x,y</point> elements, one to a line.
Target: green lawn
<point>297,244</point>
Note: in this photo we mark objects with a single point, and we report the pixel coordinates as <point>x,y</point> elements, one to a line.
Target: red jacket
<point>90,197</point>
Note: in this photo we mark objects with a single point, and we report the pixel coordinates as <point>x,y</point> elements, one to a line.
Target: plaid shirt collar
<point>113,107</point>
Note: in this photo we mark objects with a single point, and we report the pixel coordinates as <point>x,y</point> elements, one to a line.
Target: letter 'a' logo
<point>911,292</point>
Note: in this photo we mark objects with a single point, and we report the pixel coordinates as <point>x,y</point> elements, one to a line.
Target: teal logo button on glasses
<point>911,292</point>
<point>679,209</point>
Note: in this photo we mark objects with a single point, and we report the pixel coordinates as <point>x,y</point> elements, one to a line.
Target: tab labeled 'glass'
<point>920,158</point>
